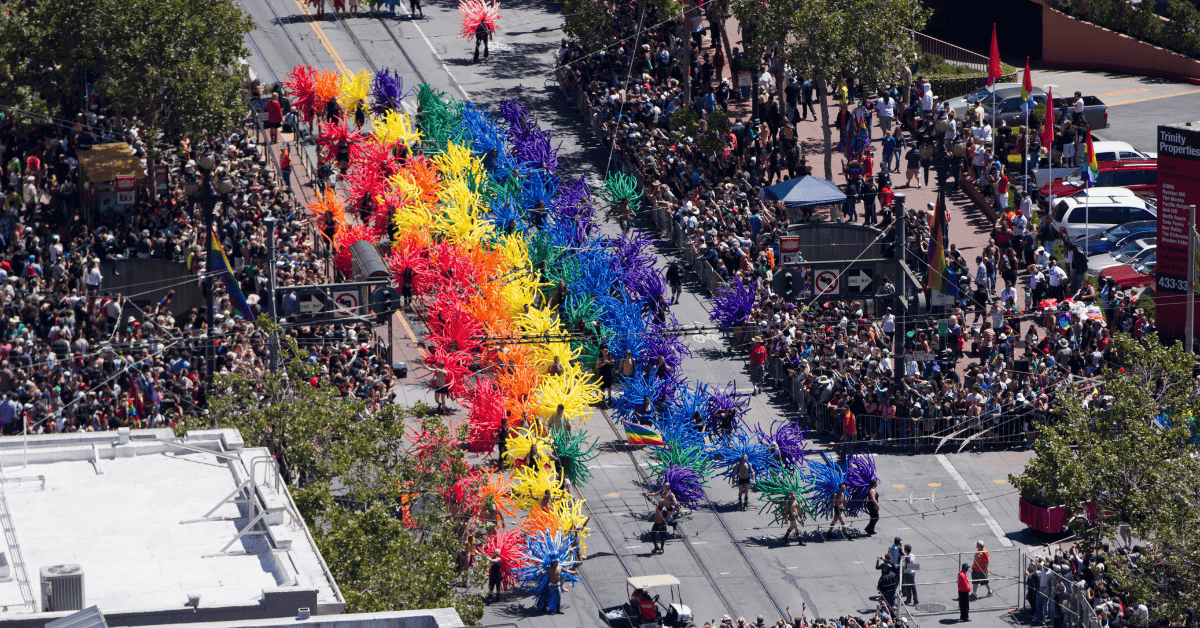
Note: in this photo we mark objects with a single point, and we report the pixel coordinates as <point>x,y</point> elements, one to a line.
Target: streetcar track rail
<point>686,542</point>
<point>357,44</point>
<point>396,41</point>
<point>266,64</point>
<point>282,25</point>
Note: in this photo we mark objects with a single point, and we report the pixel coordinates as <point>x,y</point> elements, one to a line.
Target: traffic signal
<point>788,283</point>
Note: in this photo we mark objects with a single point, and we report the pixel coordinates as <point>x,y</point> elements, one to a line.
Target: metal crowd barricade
<point>1075,609</point>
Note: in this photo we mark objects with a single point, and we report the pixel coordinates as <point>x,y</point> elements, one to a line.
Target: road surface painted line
<point>1130,102</point>
<point>983,511</point>
<point>1122,93</point>
<point>435,54</point>
<point>321,36</point>
<point>407,329</point>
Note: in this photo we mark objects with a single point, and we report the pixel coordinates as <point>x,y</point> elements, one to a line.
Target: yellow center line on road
<point>321,36</point>
<point>1130,102</point>
<point>1128,91</point>
<point>411,335</point>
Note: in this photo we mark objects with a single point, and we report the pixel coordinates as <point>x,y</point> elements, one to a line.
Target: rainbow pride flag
<point>936,279</point>
<point>642,434</point>
<point>1091,169</point>
<point>223,271</point>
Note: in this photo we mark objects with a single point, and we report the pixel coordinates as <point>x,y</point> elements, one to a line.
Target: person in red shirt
<point>274,117</point>
<point>285,166</point>
<point>964,592</point>
<point>979,569</point>
<point>758,364</point>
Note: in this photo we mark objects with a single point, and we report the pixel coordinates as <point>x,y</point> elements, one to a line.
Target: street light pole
<point>270,223</point>
<point>208,199</point>
<point>901,300</point>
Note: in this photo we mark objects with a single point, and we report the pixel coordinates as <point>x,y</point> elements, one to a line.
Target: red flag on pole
<point>1048,123</point>
<point>995,70</point>
<point>1027,84</point>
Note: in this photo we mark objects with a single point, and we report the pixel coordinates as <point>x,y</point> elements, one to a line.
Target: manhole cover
<point>930,608</point>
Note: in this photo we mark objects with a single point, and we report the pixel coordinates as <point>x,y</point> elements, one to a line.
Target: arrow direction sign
<point>311,303</point>
<point>858,280</point>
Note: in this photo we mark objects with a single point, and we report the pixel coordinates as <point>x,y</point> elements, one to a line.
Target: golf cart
<point>628,615</point>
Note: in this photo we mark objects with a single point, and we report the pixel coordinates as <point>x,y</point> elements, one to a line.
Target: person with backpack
<point>482,35</point>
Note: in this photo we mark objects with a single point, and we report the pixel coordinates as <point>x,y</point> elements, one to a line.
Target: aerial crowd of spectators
<point>81,351</point>
<point>1065,585</point>
<point>1023,323</point>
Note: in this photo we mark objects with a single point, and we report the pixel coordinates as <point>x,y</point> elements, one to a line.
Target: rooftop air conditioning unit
<point>62,588</point>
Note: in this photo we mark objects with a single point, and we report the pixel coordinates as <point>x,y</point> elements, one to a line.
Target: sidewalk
<point>970,229</point>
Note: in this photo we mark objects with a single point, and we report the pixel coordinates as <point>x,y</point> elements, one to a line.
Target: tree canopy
<point>175,65</point>
<point>863,39</point>
<point>1129,446</point>
<point>379,514</point>
<point>592,23</point>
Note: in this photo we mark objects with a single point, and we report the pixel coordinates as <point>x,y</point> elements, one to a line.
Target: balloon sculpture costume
<point>508,264</point>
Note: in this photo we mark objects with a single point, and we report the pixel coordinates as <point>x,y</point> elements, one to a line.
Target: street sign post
<point>858,280</point>
<point>347,302</point>
<point>789,250</point>
<point>827,282</point>
<point>339,302</point>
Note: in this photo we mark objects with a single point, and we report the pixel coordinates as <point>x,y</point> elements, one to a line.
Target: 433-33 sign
<point>1169,283</point>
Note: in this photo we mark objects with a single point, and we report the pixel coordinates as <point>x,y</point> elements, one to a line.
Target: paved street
<point>1136,104</point>
<point>732,562</point>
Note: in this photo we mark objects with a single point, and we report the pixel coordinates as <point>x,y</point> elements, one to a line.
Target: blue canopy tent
<point>807,191</point>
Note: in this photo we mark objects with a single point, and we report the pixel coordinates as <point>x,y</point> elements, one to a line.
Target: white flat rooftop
<point>136,521</point>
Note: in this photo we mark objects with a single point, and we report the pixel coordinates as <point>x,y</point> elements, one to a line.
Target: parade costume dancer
<point>479,21</point>
<point>550,566</point>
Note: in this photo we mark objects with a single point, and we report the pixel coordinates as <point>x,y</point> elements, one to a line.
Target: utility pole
<point>901,299</point>
<point>270,225</point>
<point>208,200</point>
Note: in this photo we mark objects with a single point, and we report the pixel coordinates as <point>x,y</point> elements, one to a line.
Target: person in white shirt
<point>765,81</point>
<point>1026,206</point>
<point>951,128</point>
<point>1043,258</point>
<point>30,191</point>
<point>927,101</point>
<point>94,278</point>
<point>1009,292</point>
<point>912,368</point>
<point>1057,278</point>
<point>1077,109</point>
<point>889,324</point>
<point>1019,222</point>
<point>981,274</point>
<point>984,132</point>
<point>887,112</point>
<point>55,251</point>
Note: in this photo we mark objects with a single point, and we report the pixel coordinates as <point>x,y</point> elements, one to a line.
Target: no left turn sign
<point>826,281</point>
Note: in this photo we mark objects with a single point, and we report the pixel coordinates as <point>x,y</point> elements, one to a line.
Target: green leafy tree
<point>865,38</point>
<point>591,23</point>
<point>175,65</point>
<point>708,134</point>
<point>1130,464</point>
<point>377,513</point>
